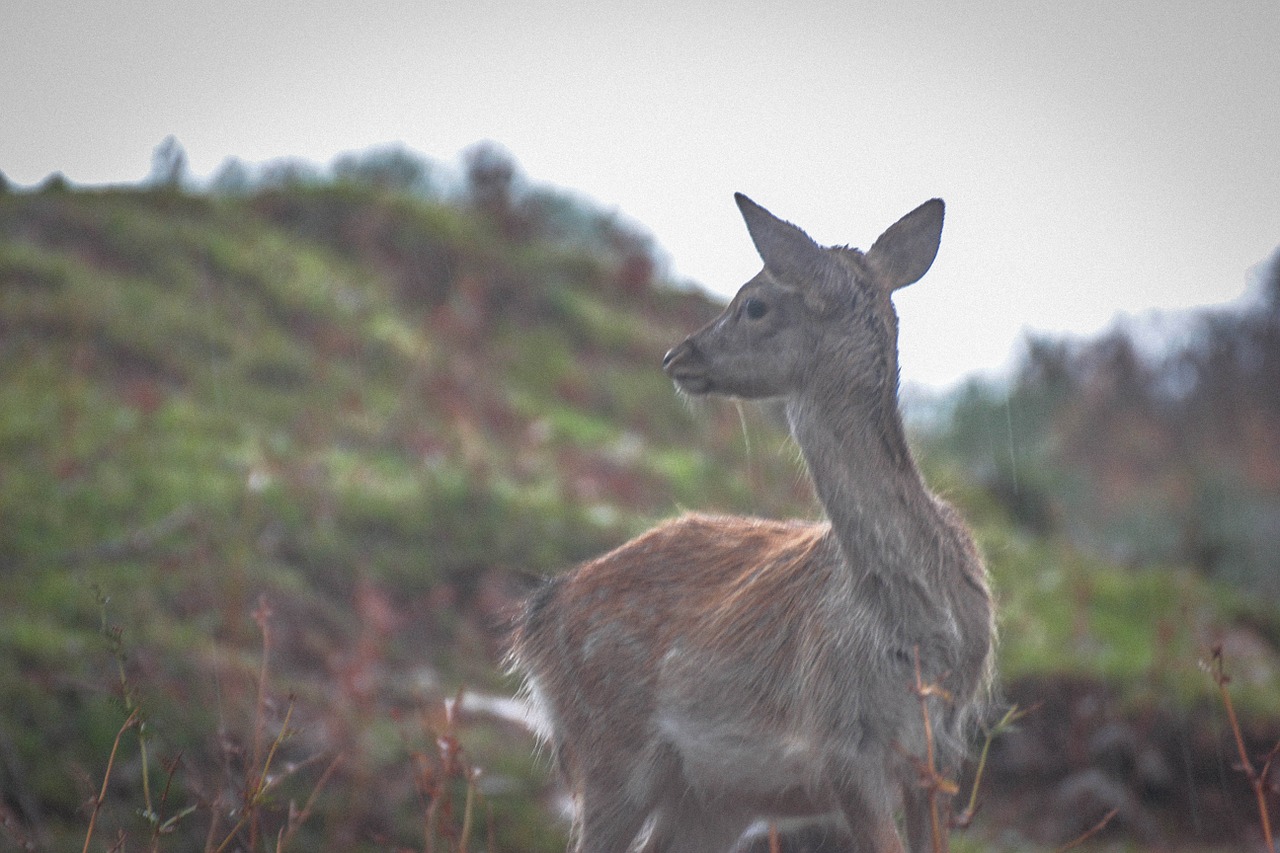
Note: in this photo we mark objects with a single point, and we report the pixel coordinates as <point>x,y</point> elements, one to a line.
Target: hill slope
<point>365,421</point>
<point>359,406</point>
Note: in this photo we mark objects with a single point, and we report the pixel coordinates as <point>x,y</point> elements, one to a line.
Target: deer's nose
<point>677,352</point>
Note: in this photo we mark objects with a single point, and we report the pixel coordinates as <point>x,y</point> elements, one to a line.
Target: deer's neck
<point>864,474</point>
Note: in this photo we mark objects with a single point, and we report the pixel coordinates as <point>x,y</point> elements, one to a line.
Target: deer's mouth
<point>685,367</point>
<point>693,383</point>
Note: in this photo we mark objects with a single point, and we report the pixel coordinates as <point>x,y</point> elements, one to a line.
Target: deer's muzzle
<point>686,368</point>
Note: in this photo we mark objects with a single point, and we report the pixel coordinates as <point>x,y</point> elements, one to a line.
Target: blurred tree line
<point>490,181</point>
<point>1155,442</point>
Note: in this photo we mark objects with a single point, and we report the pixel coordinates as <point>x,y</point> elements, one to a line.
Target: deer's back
<point>696,575</point>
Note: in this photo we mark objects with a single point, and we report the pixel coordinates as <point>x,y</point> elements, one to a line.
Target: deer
<point>717,671</point>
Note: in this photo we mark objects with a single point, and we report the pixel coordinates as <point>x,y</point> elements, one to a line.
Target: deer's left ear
<point>905,251</point>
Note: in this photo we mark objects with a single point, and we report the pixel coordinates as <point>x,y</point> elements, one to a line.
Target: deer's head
<point>811,309</point>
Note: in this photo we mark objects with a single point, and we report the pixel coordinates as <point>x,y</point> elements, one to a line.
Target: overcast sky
<point>1097,158</point>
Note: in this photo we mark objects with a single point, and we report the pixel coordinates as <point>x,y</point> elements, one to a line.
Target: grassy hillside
<point>275,465</point>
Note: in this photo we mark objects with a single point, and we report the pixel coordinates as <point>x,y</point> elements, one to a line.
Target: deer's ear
<point>904,252</point>
<point>786,251</point>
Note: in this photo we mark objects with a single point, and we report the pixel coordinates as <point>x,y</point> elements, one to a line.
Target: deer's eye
<point>755,309</point>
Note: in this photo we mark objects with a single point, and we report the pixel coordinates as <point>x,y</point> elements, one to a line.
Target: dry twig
<point>1087,834</point>
<point>1257,778</point>
<point>931,780</point>
<point>1011,716</point>
<point>129,723</point>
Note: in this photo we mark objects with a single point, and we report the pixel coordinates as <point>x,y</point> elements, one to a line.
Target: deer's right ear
<point>903,253</point>
<point>785,249</point>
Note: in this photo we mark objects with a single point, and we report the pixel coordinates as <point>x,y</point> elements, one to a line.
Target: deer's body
<point>719,669</point>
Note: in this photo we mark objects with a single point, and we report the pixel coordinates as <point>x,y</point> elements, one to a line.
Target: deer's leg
<point>916,818</point>
<point>608,819</point>
<point>685,824</point>
<point>919,821</point>
<point>871,824</point>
